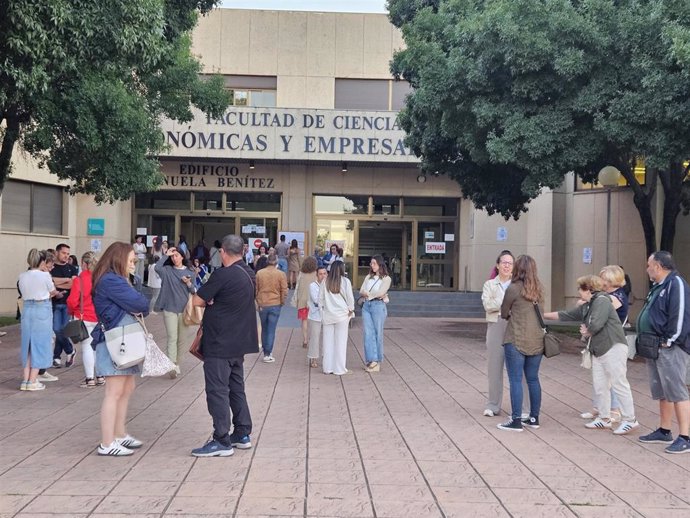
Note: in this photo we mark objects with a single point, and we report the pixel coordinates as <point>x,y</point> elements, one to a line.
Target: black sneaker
<point>70,358</point>
<point>657,437</point>
<point>57,363</point>
<point>514,425</point>
<point>532,422</point>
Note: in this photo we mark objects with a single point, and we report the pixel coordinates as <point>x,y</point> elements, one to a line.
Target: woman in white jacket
<point>337,308</point>
<point>492,298</point>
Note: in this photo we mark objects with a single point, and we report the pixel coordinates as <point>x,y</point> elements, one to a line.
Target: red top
<point>84,280</point>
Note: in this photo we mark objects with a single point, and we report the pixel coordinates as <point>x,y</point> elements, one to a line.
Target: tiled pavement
<point>409,441</point>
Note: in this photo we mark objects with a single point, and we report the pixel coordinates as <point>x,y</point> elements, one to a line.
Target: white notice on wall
<point>501,234</point>
<point>428,234</point>
<point>449,237</point>
<point>587,255</point>
<point>435,248</point>
<point>96,245</point>
<point>141,231</point>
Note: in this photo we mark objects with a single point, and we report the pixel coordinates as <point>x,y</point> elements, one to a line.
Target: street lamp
<point>608,177</point>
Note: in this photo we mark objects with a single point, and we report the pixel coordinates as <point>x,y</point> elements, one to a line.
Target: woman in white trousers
<point>337,308</point>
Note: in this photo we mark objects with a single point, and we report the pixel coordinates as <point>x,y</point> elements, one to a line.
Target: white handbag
<point>127,344</point>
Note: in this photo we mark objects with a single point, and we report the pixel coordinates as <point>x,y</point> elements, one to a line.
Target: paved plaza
<point>409,441</point>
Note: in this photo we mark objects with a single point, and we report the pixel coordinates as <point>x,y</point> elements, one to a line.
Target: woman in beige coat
<point>492,298</point>
<point>523,342</point>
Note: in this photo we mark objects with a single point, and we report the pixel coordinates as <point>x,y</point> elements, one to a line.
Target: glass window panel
<point>208,201</point>
<point>171,200</point>
<point>253,202</point>
<point>341,204</point>
<point>361,94</point>
<point>263,98</point>
<point>16,207</point>
<point>430,206</point>
<point>435,232</point>
<point>47,209</point>
<point>240,98</point>
<point>385,205</point>
<point>399,91</point>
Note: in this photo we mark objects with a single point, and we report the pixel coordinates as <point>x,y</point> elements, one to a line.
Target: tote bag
<point>127,344</point>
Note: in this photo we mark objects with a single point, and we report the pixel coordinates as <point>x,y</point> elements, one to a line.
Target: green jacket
<point>602,321</point>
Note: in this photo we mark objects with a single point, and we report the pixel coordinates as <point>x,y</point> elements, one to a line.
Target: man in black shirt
<point>62,274</point>
<point>230,332</point>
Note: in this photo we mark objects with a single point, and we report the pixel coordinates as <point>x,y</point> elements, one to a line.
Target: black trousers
<point>225,393</point>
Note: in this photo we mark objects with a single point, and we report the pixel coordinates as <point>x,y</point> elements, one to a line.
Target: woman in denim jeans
<point>523,342</point>
<point>375,290</point>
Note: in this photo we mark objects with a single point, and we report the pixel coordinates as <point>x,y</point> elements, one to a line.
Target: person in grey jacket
<point>602,328</point>
<point>176,287</point>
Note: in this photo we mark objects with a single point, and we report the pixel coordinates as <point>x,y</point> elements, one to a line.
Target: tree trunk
<point>642,198</point>
<point>9,140</point>
<point>672,184</point>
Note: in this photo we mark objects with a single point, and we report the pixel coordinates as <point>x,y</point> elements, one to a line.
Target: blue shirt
<point>113,298</point>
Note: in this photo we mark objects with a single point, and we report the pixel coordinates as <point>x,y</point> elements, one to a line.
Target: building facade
<point>310,148</point>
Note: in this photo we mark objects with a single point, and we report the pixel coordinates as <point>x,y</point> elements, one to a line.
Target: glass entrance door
<point>390,241</point>
<point>435,255</point>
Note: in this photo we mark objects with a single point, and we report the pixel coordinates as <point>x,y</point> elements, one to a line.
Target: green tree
<point>510,95</point>
<point>84,85</point>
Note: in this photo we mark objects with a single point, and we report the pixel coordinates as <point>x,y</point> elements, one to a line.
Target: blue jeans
<point>62,343</point>
<point>374,315</point>
<point>269,316</point>
<point>283,265</point>
<point>516,364</point>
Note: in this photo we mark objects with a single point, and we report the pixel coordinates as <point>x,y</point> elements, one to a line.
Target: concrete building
<point>310,149</point>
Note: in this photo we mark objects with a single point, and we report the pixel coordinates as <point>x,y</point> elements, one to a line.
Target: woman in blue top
<point>116,302</point>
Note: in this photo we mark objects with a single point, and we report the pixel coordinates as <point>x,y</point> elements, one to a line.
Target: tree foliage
<point>84,85</point>
<point>510,95</point>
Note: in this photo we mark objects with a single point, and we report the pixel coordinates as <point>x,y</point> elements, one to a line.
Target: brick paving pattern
<point>409,441</point>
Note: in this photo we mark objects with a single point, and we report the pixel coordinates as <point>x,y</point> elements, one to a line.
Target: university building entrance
<point>416,236</point>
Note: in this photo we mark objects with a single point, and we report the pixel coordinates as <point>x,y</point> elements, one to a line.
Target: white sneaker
<point>36,385</point>
<point>489,413</point>
<point>129,442</point>
<point>598,424</point>
<point>46,376</point>
<point>626,426</point>
<point>269,358</point>
<point>588,415</point>
<point>114,450</point>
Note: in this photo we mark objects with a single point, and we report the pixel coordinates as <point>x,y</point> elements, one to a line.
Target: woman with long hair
<point>80,305</point>
<point>36,288</point>
<point>177,284</point>
<point>116,302</point>
<point>337,308</point>
<point>293,264</point>
<point>332,256</point>
<point>492,297</point>
<point>261,259</point>
<point>307,275</point>
<point>523,343</point>
<point>374,312</point>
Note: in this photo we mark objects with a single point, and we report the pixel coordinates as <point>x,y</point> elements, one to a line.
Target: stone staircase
<point>434,304</point>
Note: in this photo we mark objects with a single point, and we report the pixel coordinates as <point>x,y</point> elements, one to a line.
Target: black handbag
<point>647,345</point>
<point>552,344</point>
<point>75,329</point>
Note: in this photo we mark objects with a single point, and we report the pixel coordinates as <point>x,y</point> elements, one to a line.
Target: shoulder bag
<point>127,344</point>
<point>362,299</point>
<point>195,348</point>
<point>647,346</point>
<point>75,329</point>
<point>552,344</point>
<point>192,315</point>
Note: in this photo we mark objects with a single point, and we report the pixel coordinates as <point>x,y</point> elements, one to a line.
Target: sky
<point>341,6</point>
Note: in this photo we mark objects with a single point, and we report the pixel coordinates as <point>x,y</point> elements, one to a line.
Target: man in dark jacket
<point>666,315</point>
<point>230,332</point>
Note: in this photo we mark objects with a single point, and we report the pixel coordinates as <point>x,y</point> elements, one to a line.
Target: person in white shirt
<point>140,253</point>
<point>314,318</point>
<point>37,288</point>
<point>337,308</point>
<point>374,290</point>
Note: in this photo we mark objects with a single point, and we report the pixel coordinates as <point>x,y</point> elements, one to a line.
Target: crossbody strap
<point>541,320</point>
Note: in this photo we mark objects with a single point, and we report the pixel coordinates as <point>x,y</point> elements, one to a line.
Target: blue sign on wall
<point>95,227</point>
